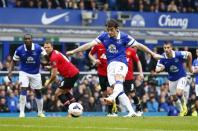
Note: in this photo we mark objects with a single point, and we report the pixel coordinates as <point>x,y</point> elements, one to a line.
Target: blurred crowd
<point>153,91</point>
<point>106,5</point>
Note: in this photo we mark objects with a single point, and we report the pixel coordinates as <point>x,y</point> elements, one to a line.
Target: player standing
<point>29,55</point>
<point>116,43</point>
<point>60,63</point>
<point>173,64</point>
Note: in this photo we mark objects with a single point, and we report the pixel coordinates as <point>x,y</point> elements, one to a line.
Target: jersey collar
<point>33,47</point>
<point>118,37</point>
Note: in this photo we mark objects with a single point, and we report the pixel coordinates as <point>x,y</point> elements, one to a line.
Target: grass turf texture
<point>100,124</point>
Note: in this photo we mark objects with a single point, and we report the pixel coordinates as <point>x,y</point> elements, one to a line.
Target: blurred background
<point>70,23</point>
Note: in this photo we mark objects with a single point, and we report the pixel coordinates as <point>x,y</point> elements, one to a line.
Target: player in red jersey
<point>132,58</point>
<point>66,69</point>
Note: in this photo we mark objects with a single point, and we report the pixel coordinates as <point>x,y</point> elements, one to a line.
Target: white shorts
<point>196,89</point>
<point>32,80</point>
<point>114,68</point>
<point>179,84</point>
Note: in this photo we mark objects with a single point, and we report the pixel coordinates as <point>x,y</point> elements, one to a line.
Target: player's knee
<point>38,94</point>
<point>179,92</point>
<point>119,78</point>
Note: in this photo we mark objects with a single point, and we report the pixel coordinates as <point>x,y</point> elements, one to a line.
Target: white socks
<point>196,90</point>
<point>118,88</point>
<point>178,104</point>
<point>124,100</point>
<point>22,102</point>
<point>39,103</point>
<point>118,91</point>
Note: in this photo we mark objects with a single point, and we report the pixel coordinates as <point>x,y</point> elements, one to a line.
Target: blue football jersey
<point>116,47</point>
<point>29,59</point>
<point>174,66</point>
<point>195,65</point>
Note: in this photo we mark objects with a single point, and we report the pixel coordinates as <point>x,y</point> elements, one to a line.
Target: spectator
<point>152,104</point>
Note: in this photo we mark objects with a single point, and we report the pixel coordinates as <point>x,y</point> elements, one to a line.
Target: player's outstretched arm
<point>82,48</point>
<point>139,66</point>
<point>189,62</point>
<point>54,72</point>
<point>147,50</point>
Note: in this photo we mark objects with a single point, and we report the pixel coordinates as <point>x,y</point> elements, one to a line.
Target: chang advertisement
<point>170,21</point>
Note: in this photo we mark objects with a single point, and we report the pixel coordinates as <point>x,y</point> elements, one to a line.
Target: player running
<point>173,64</point>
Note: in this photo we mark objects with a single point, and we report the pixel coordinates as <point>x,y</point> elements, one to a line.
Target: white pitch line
<point>87,127</point>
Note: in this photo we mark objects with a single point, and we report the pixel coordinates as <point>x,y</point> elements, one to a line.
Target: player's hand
<point>141,76</point>
<point>157,56</point>
<point>97,62</point>
<point>68,53</point>
<point>46,83</point>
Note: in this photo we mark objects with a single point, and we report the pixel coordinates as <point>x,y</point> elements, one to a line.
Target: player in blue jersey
<point>173,64</point>
<point>195,71</point>
<point>116,43</point>
<point>29,55</point>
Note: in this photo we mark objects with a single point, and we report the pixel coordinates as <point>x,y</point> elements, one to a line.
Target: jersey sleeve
<point>183,54</point>
<point>130,41</point>
<point>16,56</point>
<point>100,38</point>
<point>135,56</point>
<point>43,52</point>
<point>160,64</point>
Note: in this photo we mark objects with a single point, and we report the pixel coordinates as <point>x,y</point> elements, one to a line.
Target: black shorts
<point>68,83</point>
<point>128,86</point>
<point>104,83</point>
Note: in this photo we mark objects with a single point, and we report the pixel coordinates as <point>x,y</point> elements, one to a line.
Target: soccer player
<point>173,64</point>
<point>66,69</point>
<point>101,62</point>
<point>195,71</point>
<point>132,58</point>
<point>115,43</point>
<point>29,55</point>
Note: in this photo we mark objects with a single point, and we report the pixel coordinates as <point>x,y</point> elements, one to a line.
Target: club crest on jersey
<point>173,68</point>
<point>30,60</point>
<point>112,49</point>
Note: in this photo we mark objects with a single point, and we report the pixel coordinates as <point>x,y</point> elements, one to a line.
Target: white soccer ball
<point>75,109</point>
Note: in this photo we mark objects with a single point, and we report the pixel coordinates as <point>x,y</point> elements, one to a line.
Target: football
<point>75,109</point>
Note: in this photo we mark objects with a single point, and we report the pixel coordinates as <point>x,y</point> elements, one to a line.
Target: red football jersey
<point>100,51</point>
<point>64,66</point>
<point>131,58</point>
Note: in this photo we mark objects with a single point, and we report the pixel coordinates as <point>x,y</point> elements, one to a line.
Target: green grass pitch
<point>100,124</point>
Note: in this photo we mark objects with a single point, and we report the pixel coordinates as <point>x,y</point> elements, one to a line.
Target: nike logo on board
<point>48,20</point>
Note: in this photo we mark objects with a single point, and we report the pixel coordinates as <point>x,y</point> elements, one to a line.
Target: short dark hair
<point>27,35</point>
<point>168,43</point>
<point>112,23</point>
<point>48,42</point>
